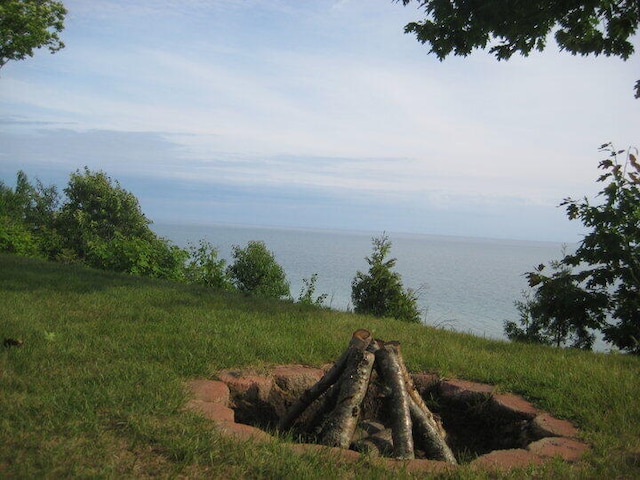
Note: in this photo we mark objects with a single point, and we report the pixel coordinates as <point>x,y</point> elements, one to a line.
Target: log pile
<point>334,409</point>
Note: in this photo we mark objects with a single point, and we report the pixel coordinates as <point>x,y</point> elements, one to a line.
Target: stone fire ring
<point>217,399</point>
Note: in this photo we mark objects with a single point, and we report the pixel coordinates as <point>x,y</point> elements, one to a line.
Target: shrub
<point>559,313</point>
<point>15,237</point>
<point>205,268</point>
<point>380,292</point>
<point>256,272</point>
<point>597,286</point>
<point>145,257</point>
<point>308,291</point>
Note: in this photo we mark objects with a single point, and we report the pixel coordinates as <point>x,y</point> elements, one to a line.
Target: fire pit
<point>368,402</point>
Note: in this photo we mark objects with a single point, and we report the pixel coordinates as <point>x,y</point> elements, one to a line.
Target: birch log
<point>360,340</point>
<point>399,409</point>
<point>429,432</point>
<point>341,423</point>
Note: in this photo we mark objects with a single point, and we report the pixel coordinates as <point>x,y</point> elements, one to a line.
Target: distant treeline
<point>97,223</point>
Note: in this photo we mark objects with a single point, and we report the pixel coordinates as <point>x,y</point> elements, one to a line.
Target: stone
<point>212,410</point>
<point>544,425</point>
<point>463,390</point>
<point>271,393</point>
<point>209,391</point>
<point>295,379</point>
<point>513,406</point>
<point>507,459</point>
<point>244,432</point>
<point>247,385</point>
<point>424,382</point>
<point>568,449</point>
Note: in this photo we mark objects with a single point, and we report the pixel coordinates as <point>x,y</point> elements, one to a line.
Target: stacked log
<point>342,390</point>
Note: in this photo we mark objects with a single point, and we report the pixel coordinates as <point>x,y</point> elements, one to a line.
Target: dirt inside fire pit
<point>483,428</point>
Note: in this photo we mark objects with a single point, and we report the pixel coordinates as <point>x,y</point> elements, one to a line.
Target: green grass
<point>97,388</point>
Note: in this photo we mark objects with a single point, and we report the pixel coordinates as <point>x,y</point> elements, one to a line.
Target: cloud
<point>326,99</point>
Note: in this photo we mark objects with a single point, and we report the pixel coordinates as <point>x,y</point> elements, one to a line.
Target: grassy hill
<point>97,388</point>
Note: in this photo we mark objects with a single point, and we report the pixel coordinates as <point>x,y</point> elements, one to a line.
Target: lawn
<point>97,388</point>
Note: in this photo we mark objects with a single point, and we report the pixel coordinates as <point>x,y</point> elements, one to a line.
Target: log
<point>315,424</point>
<point>343,420</point>
<point>342,391</point>
<point>399,409</point>
<point>429,432</point>
<point>427,437</point>
<point>360,340</point>
<point>378,444</point>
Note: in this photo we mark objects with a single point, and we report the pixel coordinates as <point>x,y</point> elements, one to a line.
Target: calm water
<point>467,284</point>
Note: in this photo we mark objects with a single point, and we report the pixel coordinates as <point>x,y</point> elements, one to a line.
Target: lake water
<point>467,284</point>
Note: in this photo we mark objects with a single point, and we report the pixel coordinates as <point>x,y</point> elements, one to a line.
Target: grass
<point>97,388</point>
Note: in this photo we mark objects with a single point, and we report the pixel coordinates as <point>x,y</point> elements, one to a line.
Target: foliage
<point>255,271</point>
<point>98,223</point>
<point>103,225</point>
<point>594,27</point>
<point>16,238</point>
<point>308,291</point>
<point>28,218</point>
<point>145,257</point>
<point>587,28</point>
<point>97,207</point>
<point>380,292</point>
<point>205,268</point>
<point>26,25</point>
<point>612,248</point>
<point>560,313</point>
<point>598,286</point>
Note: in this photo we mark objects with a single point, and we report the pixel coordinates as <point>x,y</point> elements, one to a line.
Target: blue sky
<point>318,114</point>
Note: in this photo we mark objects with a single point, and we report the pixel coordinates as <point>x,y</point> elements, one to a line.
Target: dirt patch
<point>484,428</point>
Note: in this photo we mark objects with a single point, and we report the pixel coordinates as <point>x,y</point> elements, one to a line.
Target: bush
<point>99,224</point>
<point>256,272</point>
<point>559,313</point>
<point>380,292</point>
<point>16,238</point>
<point>103,226</point>
<point>145,257</point>
<point>205,268</point>
<point>597,286</point>
<point>308,291</point>
<point>28,219</point>
<point>98,210</point>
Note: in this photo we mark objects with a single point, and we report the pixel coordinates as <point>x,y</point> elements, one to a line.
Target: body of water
<point>466,284</point>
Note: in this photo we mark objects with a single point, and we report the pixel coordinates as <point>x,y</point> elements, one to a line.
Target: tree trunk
<point>316,423</point>
<point>431,435</point>
<point>399,410</point>
<point>341,423</point>
<point>360,340</point>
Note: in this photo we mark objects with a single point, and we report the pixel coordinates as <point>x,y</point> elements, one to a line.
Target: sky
<point>319,114</point>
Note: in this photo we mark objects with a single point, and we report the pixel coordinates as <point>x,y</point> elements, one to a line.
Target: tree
<point>592,27</point>
<point>256,272</point>
<point>28,218</point>
<point>380,292</point>
<point>561,312</point>
<point>97,207</point>
<point>103,226</point>
<point>598,286</point>
<point>26,25</point>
